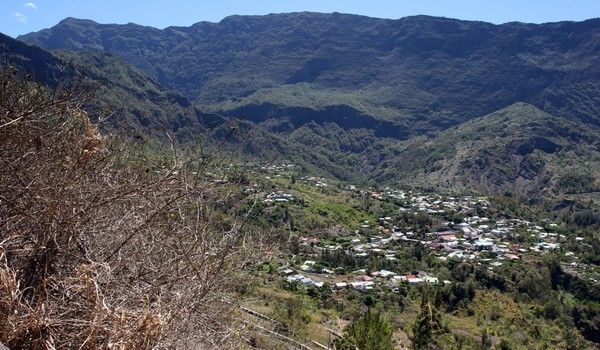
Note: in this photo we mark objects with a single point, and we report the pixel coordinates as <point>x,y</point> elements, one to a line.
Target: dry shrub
<point>103,246</point>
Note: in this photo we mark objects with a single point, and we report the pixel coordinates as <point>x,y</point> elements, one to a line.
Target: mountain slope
<point>127,102</point>
<point>381,101</point>
<point>124,96</point>
<point>430,73</point>
<point>136,102</point>
<point>518,149</point>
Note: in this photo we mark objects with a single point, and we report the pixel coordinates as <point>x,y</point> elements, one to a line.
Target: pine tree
<point>428,323</point>
<point>370,332</point>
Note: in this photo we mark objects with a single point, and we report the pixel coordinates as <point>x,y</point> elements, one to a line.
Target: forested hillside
<point>364,94</point>
<point>430,72</point>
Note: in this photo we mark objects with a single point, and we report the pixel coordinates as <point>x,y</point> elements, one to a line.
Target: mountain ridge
<point>414,64</point>
<point>126,100</point>
<point>354,97</point>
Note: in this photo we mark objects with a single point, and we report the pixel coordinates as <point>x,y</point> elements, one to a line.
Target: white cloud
<point>20,17</point>
<point>31,5</point>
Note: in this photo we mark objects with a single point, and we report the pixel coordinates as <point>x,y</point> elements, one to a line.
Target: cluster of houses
<point>491,242</point>
<point>470,239</point>
<point>278,196</point>
<point>361,281</point>
<point>481,239</point>
<point>277,169</point>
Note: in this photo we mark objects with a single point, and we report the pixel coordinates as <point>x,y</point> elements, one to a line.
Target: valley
<point>301,181</point>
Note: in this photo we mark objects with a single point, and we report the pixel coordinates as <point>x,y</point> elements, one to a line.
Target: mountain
<point>125,98</point>
<point>417,73</point>
<point>40,64</point>
<point>519,150</point>
<point>431,102</point>
<point>101,248</point>
<point>127,102</point>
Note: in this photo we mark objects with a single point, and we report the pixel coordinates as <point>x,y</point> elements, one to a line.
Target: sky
<point>19,17</point>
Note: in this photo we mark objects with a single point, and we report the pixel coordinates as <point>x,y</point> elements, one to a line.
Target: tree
<point>370,332</point>
<point>486,342</point>
<point>344,343</point>
<point>428,323</point>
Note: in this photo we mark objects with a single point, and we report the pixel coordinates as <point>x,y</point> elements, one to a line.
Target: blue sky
<point>23,16</point>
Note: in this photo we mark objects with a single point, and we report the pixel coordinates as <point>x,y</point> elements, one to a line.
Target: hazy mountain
<point>40,64</point>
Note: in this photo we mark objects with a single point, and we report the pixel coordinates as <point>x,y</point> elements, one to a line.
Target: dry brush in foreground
<point>100,247</point>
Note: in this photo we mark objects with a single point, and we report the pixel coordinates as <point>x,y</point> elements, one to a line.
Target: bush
<point>100,247</point>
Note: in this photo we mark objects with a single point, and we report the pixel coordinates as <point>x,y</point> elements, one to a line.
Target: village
<point>462,233</point>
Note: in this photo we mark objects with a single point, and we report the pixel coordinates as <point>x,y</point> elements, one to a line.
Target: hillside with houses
<point>301,181</point>
<point>484,258</point>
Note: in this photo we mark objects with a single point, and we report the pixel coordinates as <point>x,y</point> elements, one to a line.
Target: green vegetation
<point>537,302</point>
<point>258,67</point>
<point>370,332</point>
<point>577,183</point>
<point>337,109</point>
<point>428,324</point>
<point>357,201</point>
